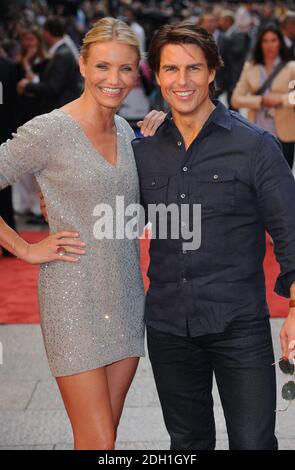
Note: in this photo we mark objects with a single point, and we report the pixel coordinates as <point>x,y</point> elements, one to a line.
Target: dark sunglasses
<point>288,390</point>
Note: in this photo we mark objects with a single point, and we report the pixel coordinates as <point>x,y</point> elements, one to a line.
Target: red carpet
<point>18,281</point>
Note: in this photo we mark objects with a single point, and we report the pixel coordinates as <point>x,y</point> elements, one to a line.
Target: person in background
<point>62,81</point>
<point>288,30</point>
<point>267,15</point>
<point>263,89</point>
<point>31,64</point>
<point>244,20</point>
<point>234,48</point>
<point>130,18</point>
<point>7,126</point>
<point>209,21</point>
<point>137,104</point>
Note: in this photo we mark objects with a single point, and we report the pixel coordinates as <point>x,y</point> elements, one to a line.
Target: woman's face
<point>29,41</point>
<point>270,45</point>
<point>110,72</point>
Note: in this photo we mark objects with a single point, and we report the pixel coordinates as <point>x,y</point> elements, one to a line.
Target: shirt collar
<point>288,41</point>
<point>220,116</point>
<point>230,30</point>
<point>53,49</point>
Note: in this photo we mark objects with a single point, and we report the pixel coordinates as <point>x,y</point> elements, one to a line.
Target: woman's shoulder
<point>44,118</point>
<point>291,65</point>
<point>250,65</point>
<point>43,125</point>
<point>121,122</point>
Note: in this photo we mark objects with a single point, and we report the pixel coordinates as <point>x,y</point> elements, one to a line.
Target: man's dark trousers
<point>241,358</point>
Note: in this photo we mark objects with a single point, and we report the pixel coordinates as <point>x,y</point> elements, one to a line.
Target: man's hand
<point>151,123</point>
<point>43,207</point>
<point>287,334</point>
<point>22,85</point>
<point>272,100</point>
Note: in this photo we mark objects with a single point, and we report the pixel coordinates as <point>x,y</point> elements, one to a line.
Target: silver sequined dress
<point>91,311</point>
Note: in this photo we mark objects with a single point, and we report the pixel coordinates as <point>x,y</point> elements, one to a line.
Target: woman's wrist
<point>20,248</point>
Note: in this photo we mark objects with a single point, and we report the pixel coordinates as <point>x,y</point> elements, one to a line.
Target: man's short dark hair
<point>185,33</point>
<point>55,26</point>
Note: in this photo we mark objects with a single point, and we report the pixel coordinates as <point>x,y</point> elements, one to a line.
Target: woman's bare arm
<point>67,243</point>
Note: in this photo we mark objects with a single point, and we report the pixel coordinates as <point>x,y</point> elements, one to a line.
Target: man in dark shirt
<point>288,30</point>
<point>205,308</point>
<point>233,48</point>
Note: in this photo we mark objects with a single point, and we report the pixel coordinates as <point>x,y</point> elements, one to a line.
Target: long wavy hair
<point>257,55</point>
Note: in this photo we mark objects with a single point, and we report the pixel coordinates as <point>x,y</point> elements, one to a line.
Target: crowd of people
<point>39,63</point>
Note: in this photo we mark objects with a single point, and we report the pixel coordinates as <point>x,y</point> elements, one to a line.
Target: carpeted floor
<point>18,281</point>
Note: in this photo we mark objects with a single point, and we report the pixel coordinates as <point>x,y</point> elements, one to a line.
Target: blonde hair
<point>109,29</point>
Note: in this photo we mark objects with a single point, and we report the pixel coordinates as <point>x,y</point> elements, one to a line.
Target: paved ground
<point>32,414</point>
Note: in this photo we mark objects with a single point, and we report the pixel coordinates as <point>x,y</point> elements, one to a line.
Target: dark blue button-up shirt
<point>238,174</point>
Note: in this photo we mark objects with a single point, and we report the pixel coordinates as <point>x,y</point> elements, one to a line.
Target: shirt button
<point>184,168</point>
<point>179,143</point>
<point>182,196</point>
<point>153,183</point>
<point>215,177</point>
<point>184,279</point>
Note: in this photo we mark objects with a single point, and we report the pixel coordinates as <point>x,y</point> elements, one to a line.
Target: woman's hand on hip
<point>59,246</point>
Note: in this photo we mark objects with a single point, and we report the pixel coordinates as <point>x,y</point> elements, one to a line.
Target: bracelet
<point>292,304</point>
<point>15,241</point>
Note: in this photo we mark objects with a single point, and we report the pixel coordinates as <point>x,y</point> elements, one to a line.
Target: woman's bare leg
<point>87,401</point>
<point>94,402</point>
<point>120,375</point>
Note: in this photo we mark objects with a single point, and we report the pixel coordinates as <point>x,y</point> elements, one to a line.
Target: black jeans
<point>241,359</point>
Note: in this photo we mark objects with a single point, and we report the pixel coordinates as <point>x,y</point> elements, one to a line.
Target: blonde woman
<point>269,106</point>
<point>92,305</point>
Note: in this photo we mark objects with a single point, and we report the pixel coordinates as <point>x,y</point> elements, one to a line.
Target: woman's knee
<point>94,441</point>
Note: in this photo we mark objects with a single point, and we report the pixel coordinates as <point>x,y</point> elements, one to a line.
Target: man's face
<point>225,22</point>
<point>47,38</point>
<point>210,23</point>
<point>184,77</point>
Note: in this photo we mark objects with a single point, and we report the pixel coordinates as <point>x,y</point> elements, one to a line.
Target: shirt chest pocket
<point>216,190</point>
<point>154,189</point>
